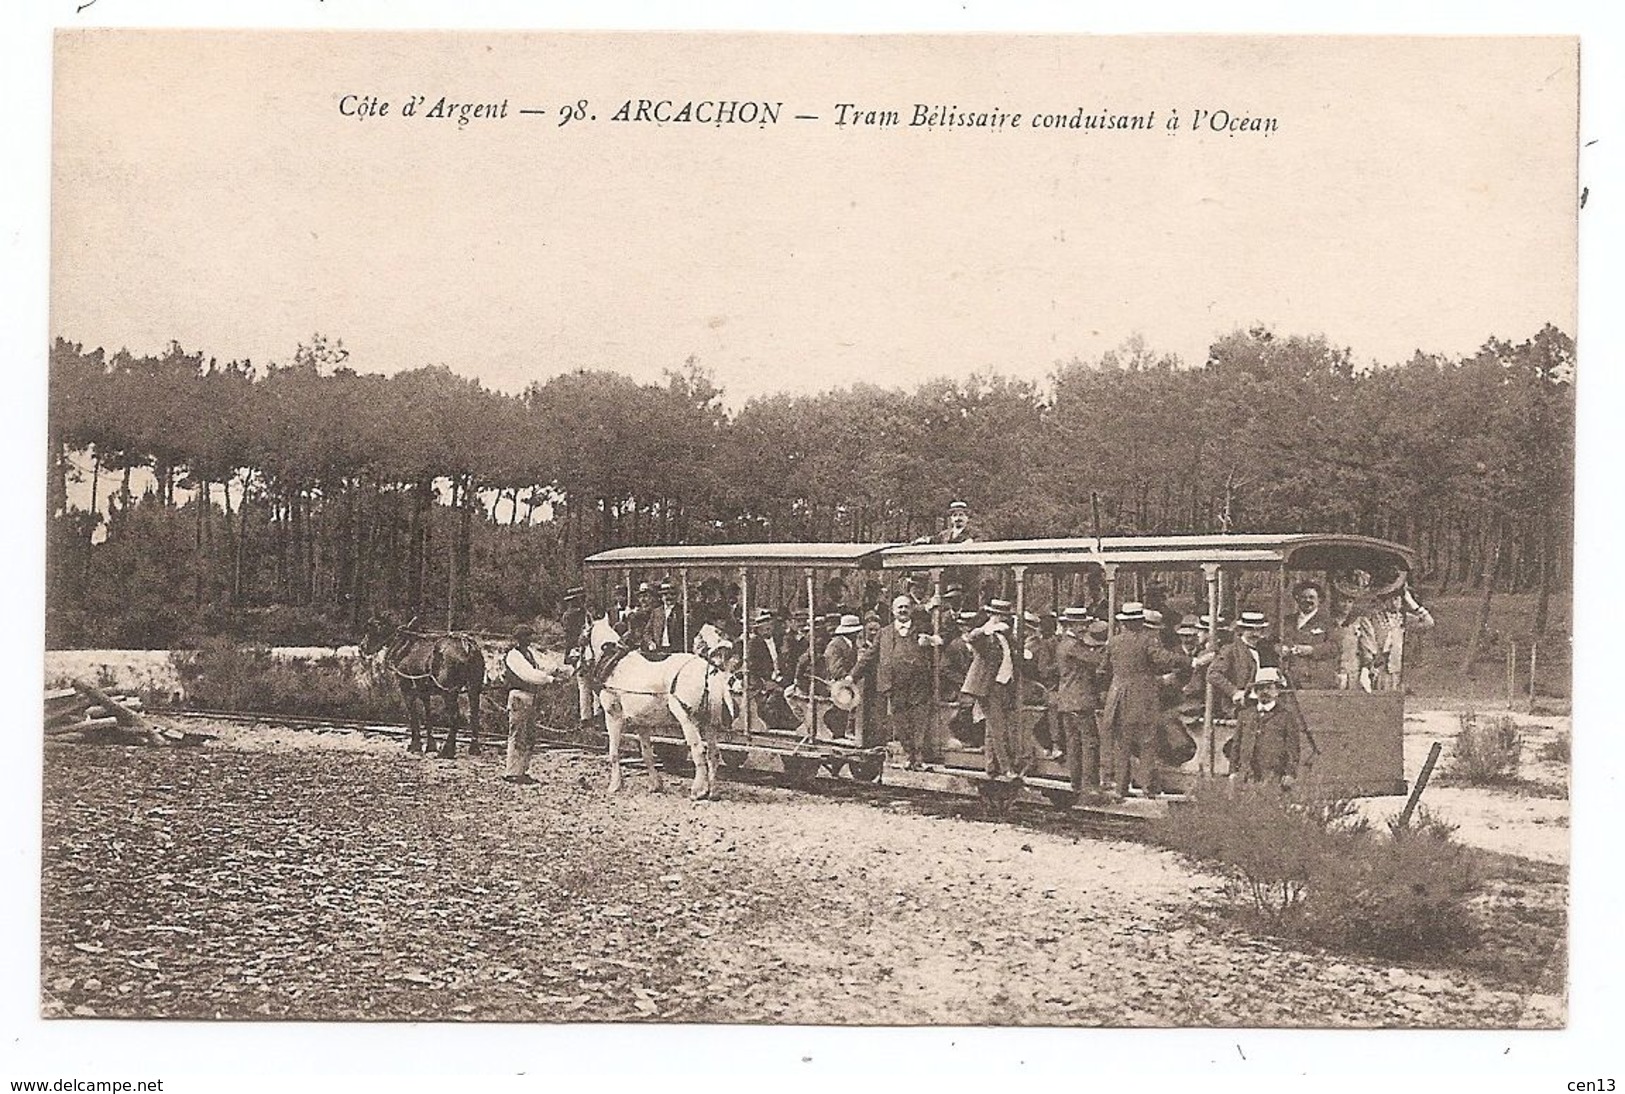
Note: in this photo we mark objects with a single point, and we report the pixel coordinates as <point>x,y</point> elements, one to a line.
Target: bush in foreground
<point>1310,868</point>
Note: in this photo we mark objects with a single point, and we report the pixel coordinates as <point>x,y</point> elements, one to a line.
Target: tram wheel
<point>1062,799</point>
<point>866,769</point>
<point>799,771</point>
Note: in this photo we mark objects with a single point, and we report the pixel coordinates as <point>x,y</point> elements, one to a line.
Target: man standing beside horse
<point>524,678</point>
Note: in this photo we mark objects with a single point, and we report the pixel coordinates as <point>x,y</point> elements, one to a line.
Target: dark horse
<point>428,664</point>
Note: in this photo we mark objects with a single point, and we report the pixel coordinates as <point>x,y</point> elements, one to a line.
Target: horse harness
<point>403,635</point>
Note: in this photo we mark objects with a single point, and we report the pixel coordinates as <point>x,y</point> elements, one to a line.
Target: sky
<point>1416,193</point>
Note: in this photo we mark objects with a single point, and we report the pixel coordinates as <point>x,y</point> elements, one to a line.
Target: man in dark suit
<point>1310,644</point>
<point>1078,656</point>
<point>958,530</point>
<point>1267,731</point>
<point>901,658</point>
<point>643,625</point>
<point>1135,663</point>
<point>1237,665</point>
<point>765,664</point>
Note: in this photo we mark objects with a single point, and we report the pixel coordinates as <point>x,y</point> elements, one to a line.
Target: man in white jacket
<point>524,678</point>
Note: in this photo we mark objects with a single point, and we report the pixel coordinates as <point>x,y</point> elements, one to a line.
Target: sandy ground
<point>1529,818</point>
<point>277,873</point>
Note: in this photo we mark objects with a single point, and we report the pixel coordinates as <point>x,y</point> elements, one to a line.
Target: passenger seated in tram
<point>710,608</point>
<point>765,665</point>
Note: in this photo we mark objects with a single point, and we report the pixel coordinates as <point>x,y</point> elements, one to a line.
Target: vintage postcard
<point>992,530</point>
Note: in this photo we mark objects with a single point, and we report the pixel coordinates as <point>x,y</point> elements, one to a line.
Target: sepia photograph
<point>728,529</point>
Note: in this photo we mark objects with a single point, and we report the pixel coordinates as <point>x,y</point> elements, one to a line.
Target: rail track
<point>929,793</point>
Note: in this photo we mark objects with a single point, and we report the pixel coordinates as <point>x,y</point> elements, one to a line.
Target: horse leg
<point>646,741</point>
<point>474,718</point>
<point>454,719</point>
<point>713,754</point>
<point>614,720</point>
<point>696,748</point>
<point>409,700</point>
<point>427,699</point>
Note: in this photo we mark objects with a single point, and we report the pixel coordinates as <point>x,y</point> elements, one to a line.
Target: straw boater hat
<point>1132,612</point>
<point>1253,621</point>
<point>1153,618</point>
<point>666,586</point>
<point>575,592</point>
<point>958,507</point>
<point>1000,607</point>
<point>1031,618</point>
<point>1188,624</point>
<point>844,694</point>
<point>1076,617</point>
<point>763,615</point>
<point>969,618</point>
<point>1098,633</point>
<point>849,624</point>
<point>953,592</point>
<point>1266,676</point>
<point>645,587</point>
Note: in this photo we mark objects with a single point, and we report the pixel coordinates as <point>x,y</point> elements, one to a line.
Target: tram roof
<point>1305,551</point>
<point>766,555</point>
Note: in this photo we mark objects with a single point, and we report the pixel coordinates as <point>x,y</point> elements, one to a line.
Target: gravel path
<point>276,874</point>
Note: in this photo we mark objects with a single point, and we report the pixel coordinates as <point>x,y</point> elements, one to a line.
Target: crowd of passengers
<point>1117,703</point>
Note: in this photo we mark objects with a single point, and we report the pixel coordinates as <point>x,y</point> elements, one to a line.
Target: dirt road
<point>275,874</point>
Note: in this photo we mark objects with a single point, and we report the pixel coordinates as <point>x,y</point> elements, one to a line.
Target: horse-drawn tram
<point>1301,599</point>
<point>762,597</point>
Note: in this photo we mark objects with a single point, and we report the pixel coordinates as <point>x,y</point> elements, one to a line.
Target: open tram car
<point>1358,735</point>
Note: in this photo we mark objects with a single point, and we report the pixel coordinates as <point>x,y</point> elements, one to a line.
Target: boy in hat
<point>991,684</point>
<point>524,678</point>
<point>1135,662</point>
<point>1267,748</point>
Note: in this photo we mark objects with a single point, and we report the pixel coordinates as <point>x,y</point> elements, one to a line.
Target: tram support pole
<point>813,654</point>
<point>746,629</point>
<point>688,636</point>
<point>1210,571</point>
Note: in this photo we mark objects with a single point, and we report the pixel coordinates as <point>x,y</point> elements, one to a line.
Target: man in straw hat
<point>1267,747</point>
<point>1135,662</point>
<point>1238,662</point>
<point>991,684</point>
<point>1078,655</point>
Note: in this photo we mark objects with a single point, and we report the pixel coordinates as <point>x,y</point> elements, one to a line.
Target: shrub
<point>1486,752</point>
<point>224,676</point>
<point>1312,869</point>
<point>1557,750</point>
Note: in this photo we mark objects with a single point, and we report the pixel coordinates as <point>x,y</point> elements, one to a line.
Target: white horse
<point>643,694</point>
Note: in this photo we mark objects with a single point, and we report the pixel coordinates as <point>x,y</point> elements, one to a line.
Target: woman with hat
<point>1135,662</point>
<point>1078,655</point>
<point>991,684</point>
